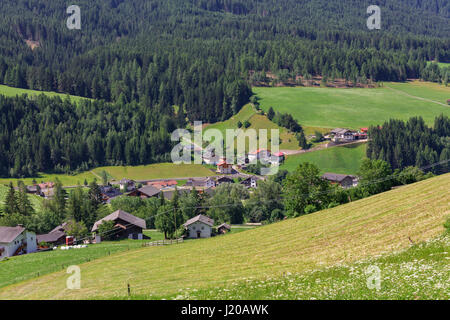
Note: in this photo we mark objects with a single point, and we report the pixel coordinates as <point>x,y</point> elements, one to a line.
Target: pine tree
<point>10,206</point>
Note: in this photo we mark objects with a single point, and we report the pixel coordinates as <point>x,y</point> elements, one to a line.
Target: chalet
<point>145,192</point>
<point>224,168</point>
<point>223,179</point>
<point>53,238</point>
<point>125,225</point>
<point>344,180</point>
<point>199,227</point>
<point>250,182</point>
<point>278,157</point>
<point>260,154</point>
<point>201,183</point>
<point>34,189</point>
<point>343,135</point>
<point>16,241</point>
<point>223,228</point>
<point>109,193</point>
<point>127,185</point>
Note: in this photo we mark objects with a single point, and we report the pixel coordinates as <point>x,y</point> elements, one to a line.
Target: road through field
<point>418,98</point>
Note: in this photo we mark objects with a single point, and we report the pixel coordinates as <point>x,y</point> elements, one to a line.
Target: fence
<point>163,242</point>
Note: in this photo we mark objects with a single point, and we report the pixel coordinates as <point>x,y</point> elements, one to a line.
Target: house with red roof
<point>224,168</point>
<point>259,154</point>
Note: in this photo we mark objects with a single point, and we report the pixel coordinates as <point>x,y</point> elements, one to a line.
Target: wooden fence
<point>162,242</point>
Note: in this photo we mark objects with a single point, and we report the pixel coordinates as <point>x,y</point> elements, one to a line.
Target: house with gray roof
<point>344,180</point>
<point>199,227</point>
<point>16,241</point>
<point>125,225</point>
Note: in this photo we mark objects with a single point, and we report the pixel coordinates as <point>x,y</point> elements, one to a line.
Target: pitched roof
<point>125,180</point>
<point>149,191</point>
<point>50,237</point>
<point>201,218</point>
<point>224,225</point>
<point>8,234</point>
<point>110,192</point>
<point>61,227</point>
<point>258,151</point>
<point>336,177</point>
<point>122,215</point>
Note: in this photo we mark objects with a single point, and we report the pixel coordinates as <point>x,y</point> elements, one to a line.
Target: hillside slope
<point>368,227</point>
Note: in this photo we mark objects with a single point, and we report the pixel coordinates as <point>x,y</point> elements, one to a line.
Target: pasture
<point>380,224</point>
<point>12,92</point>
<point>342,159</point>
<point>356,107</point>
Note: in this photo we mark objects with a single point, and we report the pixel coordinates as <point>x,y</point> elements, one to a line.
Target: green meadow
<point>12,92</point>
<point>363,229</point>
<point>344,159</point>
<point>257,122</point>
<point>356,107</point>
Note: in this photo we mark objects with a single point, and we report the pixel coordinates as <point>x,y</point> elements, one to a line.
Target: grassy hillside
<point>357,107</point>
<point>419,272</point>
<point>257,122</point>
<point>344,159</point>
<point>344,234</point>
<point>12,92</point>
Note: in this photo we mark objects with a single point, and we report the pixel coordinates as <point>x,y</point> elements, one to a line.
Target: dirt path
<point>418,98</point>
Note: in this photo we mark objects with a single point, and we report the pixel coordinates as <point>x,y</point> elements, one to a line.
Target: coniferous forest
<point>153,66</point>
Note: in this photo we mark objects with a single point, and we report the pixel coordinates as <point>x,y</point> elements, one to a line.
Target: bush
<point>447,225</point>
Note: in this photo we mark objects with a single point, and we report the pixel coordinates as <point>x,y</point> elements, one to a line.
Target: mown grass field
<point>257,122</point>
<point>419,272</point>
<point>343,159</point>
<point>156,171</point>
<point>144,172</point>
<point>12,92</point>
<point>380,224</point>
<point>30,266</point>
<point>354,108</point>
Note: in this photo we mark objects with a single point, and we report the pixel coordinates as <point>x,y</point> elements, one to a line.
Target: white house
<point>199,227</point>
<point>127,185</point>
<point>224,168</point>
<point>260,154</point>
<point>343,135</point>
<point>15,241</point>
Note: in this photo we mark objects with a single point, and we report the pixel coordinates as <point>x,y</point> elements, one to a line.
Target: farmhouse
<point>223,179</point>
<point>202,183</point>
<point>199,227</point>
<point>127,185</point>
<point>53,238</point>
<point>344,180</point>
<point>126,225</point>
<point>223,228</point>
<point>278,157</point>
<point>250,182</point>
<point>145,192</point>
<point>224,168</point>
<point>343,135</point>
<point>260,154</point>
<point>15,241</point>
<point>162,183</point>
<point>109,193</point>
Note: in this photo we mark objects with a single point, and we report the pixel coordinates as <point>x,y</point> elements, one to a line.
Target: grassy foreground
<point>345,234</point>
<point>343,159</point>
<point>419,272</point>
<point>357,107</point>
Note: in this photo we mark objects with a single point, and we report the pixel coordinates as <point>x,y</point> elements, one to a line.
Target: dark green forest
<point>156,65</point>
<point>412,143</point>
